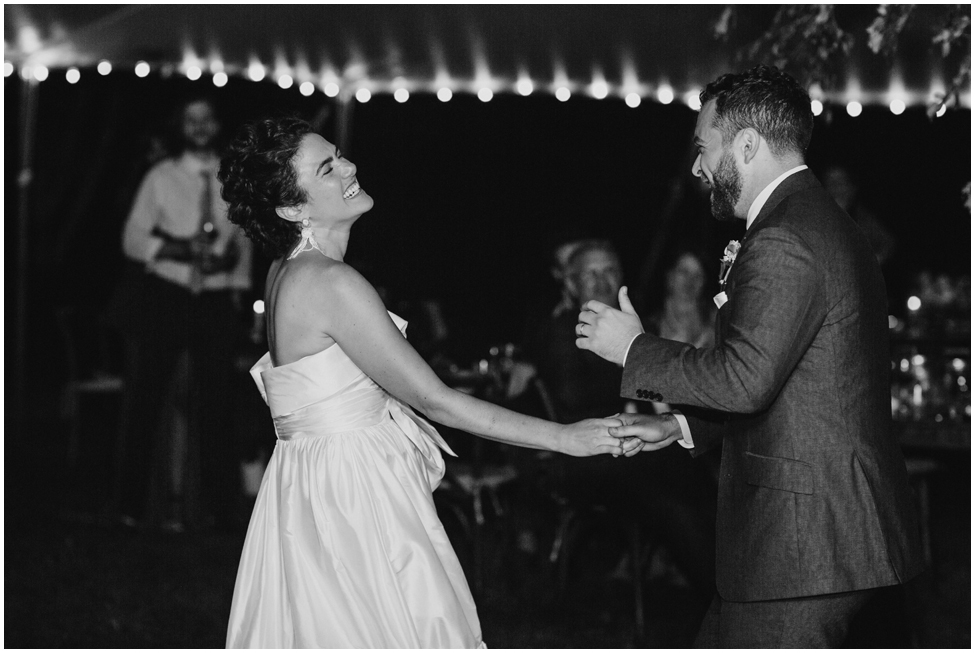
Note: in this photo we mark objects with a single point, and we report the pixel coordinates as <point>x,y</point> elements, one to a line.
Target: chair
<point>92,376</point>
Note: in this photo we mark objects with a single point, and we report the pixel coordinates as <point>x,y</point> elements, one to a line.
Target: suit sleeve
<point>775,309</point>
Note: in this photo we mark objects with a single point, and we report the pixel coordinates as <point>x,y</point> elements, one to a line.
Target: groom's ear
<point>748,142</point>
<point>289,213</point>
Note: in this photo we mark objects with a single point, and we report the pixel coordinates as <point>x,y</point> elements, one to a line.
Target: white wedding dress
<point>344,547</point>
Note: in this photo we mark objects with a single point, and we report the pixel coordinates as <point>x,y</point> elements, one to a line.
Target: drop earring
<point>307,241</point>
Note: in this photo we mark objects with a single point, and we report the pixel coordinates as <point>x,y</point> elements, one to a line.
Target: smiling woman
<point>352,476</point>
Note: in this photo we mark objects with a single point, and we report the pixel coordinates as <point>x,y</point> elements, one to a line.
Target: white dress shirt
<point>170,198</point>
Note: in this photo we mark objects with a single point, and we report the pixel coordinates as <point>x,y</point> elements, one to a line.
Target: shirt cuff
<point>628,348</point>
<point>685,430</point>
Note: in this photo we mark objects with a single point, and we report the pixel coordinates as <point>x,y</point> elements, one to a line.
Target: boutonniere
<point>730,254</point>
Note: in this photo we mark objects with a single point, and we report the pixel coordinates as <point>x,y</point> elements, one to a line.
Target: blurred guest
<point>191,264</point>
<point>840,183</point>
<point>686,312</point>
<point>579,383</point>
<point>669,496</point>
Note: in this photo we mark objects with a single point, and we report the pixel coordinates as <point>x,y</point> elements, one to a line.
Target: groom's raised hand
<point>654,431</point>
<point>608,332</point>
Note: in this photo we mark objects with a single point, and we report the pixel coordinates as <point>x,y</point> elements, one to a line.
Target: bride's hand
<point>591,437</point>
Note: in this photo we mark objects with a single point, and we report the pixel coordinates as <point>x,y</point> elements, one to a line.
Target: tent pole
<point>28,119</point>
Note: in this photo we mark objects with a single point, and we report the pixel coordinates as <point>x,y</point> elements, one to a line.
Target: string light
<point>8,69</point>
<point>633,100</point>
<point>693,100</point>
<point>194,73</point>
<point>817,107</point>
<point>331,89</point>
<point>220,79</point>
<point>484,94</point>
<point>40,73</point>
<point>141,69</point>
<point>665,94</point>
<point>897,107</point>
<point>599,89</point>
<point>104,67</point>
<point>255,71</point>
<point>401,95</point>
<point>285,81</point>
<point>525,87</point>
<point>562,94</point>
<point>942,110</point>
<point>73,75</point>
<point>306,89</point>
<point>444,94</point>
<point>854,108</point>
<point>363,95</point>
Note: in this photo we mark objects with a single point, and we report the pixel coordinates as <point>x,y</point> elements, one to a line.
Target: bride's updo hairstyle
<point>257,175</point>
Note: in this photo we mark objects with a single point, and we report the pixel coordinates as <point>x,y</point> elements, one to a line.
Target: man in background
<point>194,265</point>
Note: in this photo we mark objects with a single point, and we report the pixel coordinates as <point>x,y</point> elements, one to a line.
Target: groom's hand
<point>606,331</point>
<point>654,431</point>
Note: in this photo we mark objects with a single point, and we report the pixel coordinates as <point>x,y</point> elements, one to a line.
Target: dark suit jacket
<point>813,494</point>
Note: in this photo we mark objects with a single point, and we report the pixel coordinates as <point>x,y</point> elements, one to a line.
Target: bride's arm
<point>350,311</point>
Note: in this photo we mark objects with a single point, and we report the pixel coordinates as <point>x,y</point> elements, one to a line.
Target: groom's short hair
<point>767,100</point>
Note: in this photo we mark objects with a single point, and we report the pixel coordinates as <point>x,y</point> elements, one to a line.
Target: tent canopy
<point>638,48</point>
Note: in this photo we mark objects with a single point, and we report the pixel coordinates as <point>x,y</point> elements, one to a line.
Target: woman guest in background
<point>686,313</point>
<point>344,547</point>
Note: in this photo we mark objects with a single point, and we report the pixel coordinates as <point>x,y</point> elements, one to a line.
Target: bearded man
<point>814,508</point>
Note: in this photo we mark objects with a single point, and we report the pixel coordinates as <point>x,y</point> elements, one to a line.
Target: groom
<point>814,507</point>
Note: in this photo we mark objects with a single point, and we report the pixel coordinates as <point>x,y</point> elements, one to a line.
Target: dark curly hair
<point>767,100</point>
<point>257,175</point>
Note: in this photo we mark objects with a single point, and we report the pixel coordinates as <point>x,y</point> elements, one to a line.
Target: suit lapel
<point>792,184</point>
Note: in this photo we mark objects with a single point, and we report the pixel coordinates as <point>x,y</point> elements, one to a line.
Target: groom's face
<point>715,165</point>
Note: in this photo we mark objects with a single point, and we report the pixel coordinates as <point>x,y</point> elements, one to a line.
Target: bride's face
<point>329,182</point>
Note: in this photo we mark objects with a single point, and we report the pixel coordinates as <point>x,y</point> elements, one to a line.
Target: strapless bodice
<point>326,393</point>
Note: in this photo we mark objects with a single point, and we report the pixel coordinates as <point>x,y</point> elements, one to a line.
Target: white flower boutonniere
<point>730,254</point>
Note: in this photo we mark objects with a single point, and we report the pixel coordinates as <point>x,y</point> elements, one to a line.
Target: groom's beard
<point>726,190</point>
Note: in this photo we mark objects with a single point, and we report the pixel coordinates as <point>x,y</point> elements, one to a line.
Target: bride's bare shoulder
<point>321,277</point>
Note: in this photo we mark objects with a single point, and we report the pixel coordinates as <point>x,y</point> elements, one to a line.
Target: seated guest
<point>671,497</point>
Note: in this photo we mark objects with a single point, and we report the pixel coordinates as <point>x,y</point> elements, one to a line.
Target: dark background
<point>470,196</point>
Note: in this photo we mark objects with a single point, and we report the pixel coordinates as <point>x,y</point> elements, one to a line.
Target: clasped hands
<point>640,432</point>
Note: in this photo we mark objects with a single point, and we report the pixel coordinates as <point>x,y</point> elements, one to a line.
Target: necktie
<point>204,232</point>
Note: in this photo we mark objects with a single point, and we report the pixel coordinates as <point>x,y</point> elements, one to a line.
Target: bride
<point>344,547</point>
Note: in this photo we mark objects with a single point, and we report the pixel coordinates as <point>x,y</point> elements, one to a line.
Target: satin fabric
<point>344,547</point>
